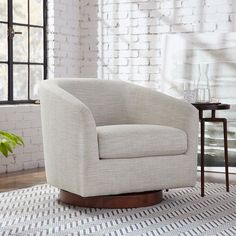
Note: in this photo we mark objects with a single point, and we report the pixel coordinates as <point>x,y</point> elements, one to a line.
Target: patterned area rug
<point>36,211</point>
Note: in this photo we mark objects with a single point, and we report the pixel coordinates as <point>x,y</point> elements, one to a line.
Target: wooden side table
<point>212,107</point>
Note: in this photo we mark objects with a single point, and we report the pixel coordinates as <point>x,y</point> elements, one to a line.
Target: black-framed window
<point>23,54</point>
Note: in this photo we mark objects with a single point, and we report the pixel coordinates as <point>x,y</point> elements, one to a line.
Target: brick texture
<point>129,33</point>
<point>23,120</point>
<point>63,38</point>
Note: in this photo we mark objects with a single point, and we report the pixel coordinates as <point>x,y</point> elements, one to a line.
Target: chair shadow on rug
<point>112,144</point>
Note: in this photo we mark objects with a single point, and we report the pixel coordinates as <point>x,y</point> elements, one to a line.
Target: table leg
<point>202,155</point>
<point>226,155</point>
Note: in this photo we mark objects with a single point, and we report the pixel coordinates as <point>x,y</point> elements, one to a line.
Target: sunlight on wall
<point>182,56</point>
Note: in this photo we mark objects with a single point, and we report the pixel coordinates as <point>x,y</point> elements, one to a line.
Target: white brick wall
<point>23,120</point>
<point>63,38</point>
<point>88,21</point>
<point>130,32</point>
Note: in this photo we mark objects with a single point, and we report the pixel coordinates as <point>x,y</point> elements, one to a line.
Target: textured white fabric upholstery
<point>71,110</point>
<point>103,99</point>
<point>133,141</point>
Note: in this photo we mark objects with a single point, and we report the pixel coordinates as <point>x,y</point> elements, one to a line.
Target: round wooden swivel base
<point>132,200</point>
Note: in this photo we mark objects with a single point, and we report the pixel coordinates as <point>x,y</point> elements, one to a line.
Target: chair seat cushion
<point>132,141</point>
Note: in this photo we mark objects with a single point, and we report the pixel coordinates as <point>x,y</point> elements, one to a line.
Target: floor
<point>22,179</point>
<point>28,178</point>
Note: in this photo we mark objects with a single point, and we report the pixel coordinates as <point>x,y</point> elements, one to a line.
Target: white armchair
<point>111,137</point>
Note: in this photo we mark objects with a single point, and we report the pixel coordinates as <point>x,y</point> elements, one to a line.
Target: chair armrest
<point>69,137</point>
<point>147,106</point>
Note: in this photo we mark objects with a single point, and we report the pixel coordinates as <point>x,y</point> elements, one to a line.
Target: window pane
<point>36,12</point>
<point>20,44</point>
<point>20,11</point>
<point>36,76</point>
<point>3,82</point>
<point>20,82</point>
<point>3,42</point>
<point>3,10</point>
<point>36,45</point>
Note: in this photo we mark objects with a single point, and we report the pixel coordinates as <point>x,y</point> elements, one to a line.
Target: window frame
<point>10,62</point>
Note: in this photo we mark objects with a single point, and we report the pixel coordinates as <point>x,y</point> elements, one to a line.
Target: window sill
<point>7,103</point>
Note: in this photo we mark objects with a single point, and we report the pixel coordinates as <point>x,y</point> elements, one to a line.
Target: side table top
<point>211,106</point>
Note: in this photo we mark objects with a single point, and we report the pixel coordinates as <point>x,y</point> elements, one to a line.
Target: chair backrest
<point>105,98</point>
